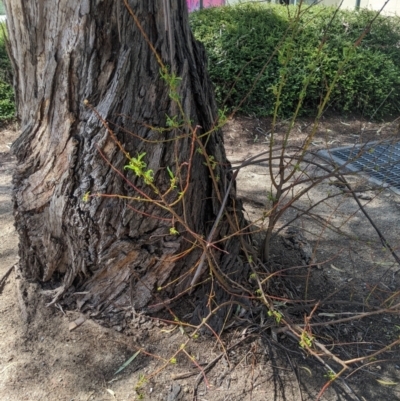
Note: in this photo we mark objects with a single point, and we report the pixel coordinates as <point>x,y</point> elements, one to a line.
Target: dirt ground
<point>47,353</point>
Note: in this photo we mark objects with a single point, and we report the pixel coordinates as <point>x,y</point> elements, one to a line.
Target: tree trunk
<point>114,252</point>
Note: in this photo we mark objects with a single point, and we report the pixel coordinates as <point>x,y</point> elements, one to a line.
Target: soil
<point>48,353</point>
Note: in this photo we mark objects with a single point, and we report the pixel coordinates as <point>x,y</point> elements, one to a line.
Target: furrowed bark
<point>89,49</point>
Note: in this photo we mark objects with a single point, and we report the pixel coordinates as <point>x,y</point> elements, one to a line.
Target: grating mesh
<point>380,161</point>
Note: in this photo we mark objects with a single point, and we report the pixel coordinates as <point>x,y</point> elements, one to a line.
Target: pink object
<point>196,4</point>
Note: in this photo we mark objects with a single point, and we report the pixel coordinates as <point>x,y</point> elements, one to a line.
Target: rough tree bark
<point>72,50</point>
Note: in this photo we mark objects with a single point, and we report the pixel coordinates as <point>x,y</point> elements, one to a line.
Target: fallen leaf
<point>168,331</point>
<point>76,323</point>
<point>336,268</point>
<point>307,370</point>
<point>386,383</point>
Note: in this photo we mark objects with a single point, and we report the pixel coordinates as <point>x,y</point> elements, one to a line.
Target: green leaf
<point>173,231</point>
<point>125,364</point>
<point>171,174</point>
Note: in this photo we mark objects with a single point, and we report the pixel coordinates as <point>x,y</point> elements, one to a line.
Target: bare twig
<point>5,276</point>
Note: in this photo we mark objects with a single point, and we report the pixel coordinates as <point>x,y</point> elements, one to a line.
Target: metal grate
<point>381,161</point>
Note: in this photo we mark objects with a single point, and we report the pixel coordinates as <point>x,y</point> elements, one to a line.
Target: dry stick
<point>295,331</point>
<point>323,363</point>
<point>341,177</point>
<point>381,236</point>
<point>328,383</point>
<point>5,276</point>
<point>279,272</point>
<point>394,309</point>
<point>275,212</point>
<point>253,160</point>
<point>317,219</point>
<point>203,373</point>
<point>362,367</point>
<point>382,350</point>
<point>204,322</point>
<point>146,38</point>
<point>150,127</point>
<point>296,373</point>
<point>361,359</point>
<point>180,376</point>
<point>200,269</point>
<point>384,242</point>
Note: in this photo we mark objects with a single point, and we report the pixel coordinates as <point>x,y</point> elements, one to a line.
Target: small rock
<point>175,390</point>
<point>364,197</point>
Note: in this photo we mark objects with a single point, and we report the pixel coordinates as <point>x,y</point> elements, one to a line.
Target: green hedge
<point>240,39</point>
<point>7,103</point>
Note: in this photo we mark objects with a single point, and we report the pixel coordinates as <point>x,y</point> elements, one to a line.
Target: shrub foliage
<point>7,103</point>
<point>303,55</point>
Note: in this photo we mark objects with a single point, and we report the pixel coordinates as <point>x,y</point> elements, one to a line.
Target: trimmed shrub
<point>302,57</point>
<point>7,102</point>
